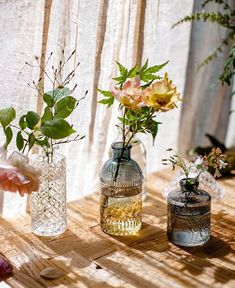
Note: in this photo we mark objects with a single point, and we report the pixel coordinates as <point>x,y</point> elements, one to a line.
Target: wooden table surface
<point>145,260</point>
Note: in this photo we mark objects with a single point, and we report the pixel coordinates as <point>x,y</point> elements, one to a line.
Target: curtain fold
<point>103,31</point>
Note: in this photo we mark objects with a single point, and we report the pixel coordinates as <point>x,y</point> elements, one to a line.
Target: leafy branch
<point>225,19</point>
<point>52,125</point>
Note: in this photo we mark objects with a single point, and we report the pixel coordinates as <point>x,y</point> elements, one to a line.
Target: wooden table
<point>146,260</point>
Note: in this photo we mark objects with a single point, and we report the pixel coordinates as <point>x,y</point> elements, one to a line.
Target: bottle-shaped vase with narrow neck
<point>139,154</point>
<point>121,193</point>
<point>189,214</point>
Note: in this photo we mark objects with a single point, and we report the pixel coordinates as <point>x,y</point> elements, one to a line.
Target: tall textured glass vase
<point>48,205</point>
<point>189,214</point>
<point>121,193</point>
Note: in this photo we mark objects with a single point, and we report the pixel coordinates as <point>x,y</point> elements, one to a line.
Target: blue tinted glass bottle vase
<point>121,193</point>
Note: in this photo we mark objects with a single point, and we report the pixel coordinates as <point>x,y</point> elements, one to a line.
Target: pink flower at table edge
<point>16,174</point>
<point>131,95</point>
<point>162,95</point>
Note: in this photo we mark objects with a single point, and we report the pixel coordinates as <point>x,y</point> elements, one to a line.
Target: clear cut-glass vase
<point>121,193</point>
<point>189,214</point>
<point>48,205</point>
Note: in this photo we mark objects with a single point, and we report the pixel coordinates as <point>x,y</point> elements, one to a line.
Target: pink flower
<point>131,94</point>
<point>17,175</point>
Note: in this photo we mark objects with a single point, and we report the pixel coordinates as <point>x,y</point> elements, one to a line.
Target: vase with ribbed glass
<point>189,214</point>
<point>121,193</point>
<point>138,153</point>
<point>48,205</point>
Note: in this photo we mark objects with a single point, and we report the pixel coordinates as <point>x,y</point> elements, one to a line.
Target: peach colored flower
<point>131,94</point>
<point>162,95</point>
<point>16,174</point>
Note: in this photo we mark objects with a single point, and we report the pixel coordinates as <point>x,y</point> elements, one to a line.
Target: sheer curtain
<point>103,31</point>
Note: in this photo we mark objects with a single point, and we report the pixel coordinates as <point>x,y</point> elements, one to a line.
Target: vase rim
<point>119,145</point>
<point>189,181</point>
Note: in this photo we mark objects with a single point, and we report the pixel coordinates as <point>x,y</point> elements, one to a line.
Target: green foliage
<point>32,119</point>
<point>56,129</point>
<point>135,121</point>
<point>229,67</point>
<point>19,141</point>
<point>44,130</point>
<point>108,100</point>
<point>7,115</point>
<point>65,106</point>
<point>9,135</point>
<point>147,74</point>
<point>226,19</point>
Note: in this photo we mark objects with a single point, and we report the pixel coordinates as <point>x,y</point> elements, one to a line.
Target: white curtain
<point>103,31</point>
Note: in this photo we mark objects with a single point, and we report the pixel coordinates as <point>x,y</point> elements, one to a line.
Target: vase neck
<point>119,152</point>
<point>189,184</point>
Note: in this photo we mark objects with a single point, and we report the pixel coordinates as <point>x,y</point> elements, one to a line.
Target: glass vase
<point>189,214</point>
<point>121,193</point>
<point>138,153</point>
<point>48,205</point>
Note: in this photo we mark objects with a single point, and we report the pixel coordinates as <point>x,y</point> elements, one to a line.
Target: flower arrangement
<point>46,131</point>
<point>215,160</point>
<point>141,94</point>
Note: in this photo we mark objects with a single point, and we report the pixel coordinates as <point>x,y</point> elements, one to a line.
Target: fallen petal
<point>5,267</point>
<point>52,273</point>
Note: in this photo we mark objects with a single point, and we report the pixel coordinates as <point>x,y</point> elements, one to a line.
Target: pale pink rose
<point>131,94</point>
<point>16,174</point>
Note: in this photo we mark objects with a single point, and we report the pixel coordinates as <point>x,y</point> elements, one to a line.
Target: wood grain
<point>144,260</point>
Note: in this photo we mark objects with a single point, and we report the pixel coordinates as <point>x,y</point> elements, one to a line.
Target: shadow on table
<point>34,253</point>
<point>214,254</point>
<point>150,237</point>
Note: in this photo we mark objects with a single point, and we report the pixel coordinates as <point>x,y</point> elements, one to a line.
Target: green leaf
<point>156,68</point>
<point>51,97</point>
<point>19,141</point>
<point>144,66</point>
<point>47,115</point>
<point>43,142</point>
<point>65,106</point>
<point>32,119</point>
<point>107,101</point>
<point>56,129</point>
<point>122,69</point>
<point>119,78</point>
<point>7,115</point>
<point>9,134</point>
<point>31,141</point>
<point>154,129</point>
<point>59,93</point>
<point>47,98</point>
<point>22,122</point>
<point>105,93</point>
<point>132,73</point>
